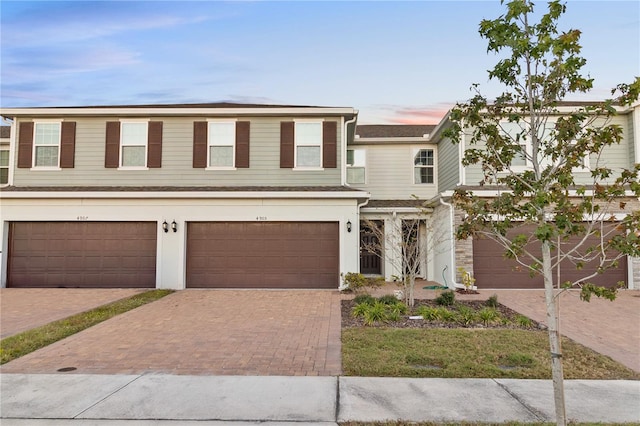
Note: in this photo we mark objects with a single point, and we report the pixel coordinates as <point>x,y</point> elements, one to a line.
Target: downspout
<point>345,127</point>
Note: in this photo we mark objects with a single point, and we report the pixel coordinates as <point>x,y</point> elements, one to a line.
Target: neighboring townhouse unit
<point>179,196</point>
<point>483,257</point>
<point>397,165</point>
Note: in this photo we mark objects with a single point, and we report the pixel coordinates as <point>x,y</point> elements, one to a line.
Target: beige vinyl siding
<point>448,165</point>
<point>389,172</point>
<point>630,134</point>
<point>177,160</point>
<point>616,157</point>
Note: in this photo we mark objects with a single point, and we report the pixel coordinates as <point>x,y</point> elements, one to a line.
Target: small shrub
<point>467,278</point>
<point>375,313</point>
<point>388,299</point>
<point>427,312</point>
<point>360,309</point>
<point>492,302</point>
<point>357,282</point>
<point>364,298</point>
<point>466,315</point>
<point>399,307</point>
<point>446,298</point>
<point>523,321</point>
<point>488,315</point>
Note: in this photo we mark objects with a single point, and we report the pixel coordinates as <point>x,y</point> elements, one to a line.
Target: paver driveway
<point>206,332</point>
<point>26,308</point>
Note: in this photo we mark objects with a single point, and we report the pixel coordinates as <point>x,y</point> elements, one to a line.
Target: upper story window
<point>308,142</point>
<point>356,166</point>
<point>423,166</point>
<point>46,141</point>
<point>221,143</point>
<point>133,144</point>
<point>4,165</point>
<point>519,134</point>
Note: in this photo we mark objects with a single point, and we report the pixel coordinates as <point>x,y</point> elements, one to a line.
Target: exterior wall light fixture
<point>174,226</point>
<point>348,226</point>
<point>165,226</point>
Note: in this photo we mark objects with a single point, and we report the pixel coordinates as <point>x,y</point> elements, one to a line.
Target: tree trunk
<point>554,336</point>
<point>411,283</point>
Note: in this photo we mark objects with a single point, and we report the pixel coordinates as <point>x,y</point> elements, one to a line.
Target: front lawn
<point>468,353</point>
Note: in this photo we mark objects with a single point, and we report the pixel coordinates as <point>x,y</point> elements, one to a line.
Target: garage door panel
<point>262,254</point>
<point>493,270</point>
<point>82,254</point>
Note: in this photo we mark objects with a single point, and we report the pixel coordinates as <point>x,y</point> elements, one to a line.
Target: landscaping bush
<point>492,302</point>
<point>388,299</point>
<point>466,315</point>
<point>446,298</point>
<point>364,298</point>
<point>356,282</point>
<point>488,315</point>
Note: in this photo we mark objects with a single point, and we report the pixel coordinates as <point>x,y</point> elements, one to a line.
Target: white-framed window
<point>519,134</point>
<point>4,165</point>
<point>308,140</point>
<point>424,166</point>
<point>46,144</point>
<point>133,144</point>
<point>221,144</point>
<point>356,159</point>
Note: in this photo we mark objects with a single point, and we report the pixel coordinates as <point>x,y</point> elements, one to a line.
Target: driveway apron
<point>206,332</point>
<point>26,308</point>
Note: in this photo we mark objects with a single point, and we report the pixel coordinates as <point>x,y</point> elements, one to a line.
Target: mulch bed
<point>349,320</point>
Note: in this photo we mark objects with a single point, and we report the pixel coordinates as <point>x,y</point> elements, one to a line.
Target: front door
<point>370,249</point>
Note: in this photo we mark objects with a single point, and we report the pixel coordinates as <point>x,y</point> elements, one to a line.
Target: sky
<point>396,62</point>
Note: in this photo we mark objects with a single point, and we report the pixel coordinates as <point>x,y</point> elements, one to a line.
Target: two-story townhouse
<point>179,196</point>
<point>483,257</point>
<point>397,165</point>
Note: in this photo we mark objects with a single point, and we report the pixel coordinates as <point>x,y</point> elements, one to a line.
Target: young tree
<point>399,242</point>
<point>528,125</point>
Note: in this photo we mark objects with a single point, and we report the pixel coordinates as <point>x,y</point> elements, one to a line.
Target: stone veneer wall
<point>464,250</point>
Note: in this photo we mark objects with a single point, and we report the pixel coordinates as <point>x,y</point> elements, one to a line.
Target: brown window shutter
<point>112,145</point>
<point>25,145</point>
<point>242,144</point>
<point>329,144</point>
<point>200,130</point>
<point>154,144</point>
<point>68,145</point>
<point>287,144</point>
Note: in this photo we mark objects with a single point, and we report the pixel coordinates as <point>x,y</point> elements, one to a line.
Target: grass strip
<point>31,340</point>
<point>403,423</point>
<point>469,353</point>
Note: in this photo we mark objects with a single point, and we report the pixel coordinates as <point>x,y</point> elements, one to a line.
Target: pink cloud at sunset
<point>414,115</point>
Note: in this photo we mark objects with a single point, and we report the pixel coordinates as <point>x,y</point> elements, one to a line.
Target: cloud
<point>55,22</point>
<point>430,114</point>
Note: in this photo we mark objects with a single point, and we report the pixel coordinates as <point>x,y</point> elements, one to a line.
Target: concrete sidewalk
<point>58,399</point>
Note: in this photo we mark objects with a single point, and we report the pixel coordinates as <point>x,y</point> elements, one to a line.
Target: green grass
<point>31,340</point>
<point>468,353</point>
<point>401,423</point>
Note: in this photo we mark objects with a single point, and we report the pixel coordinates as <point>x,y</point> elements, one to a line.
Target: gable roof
<point>394,130</point>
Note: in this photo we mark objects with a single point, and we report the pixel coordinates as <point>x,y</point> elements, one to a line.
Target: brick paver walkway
<point>23,309</point>
<point>206,332</point>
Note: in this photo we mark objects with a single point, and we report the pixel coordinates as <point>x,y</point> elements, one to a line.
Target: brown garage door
<point>262,255</point>
<point>82,254</point>
<point>492,270</point>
